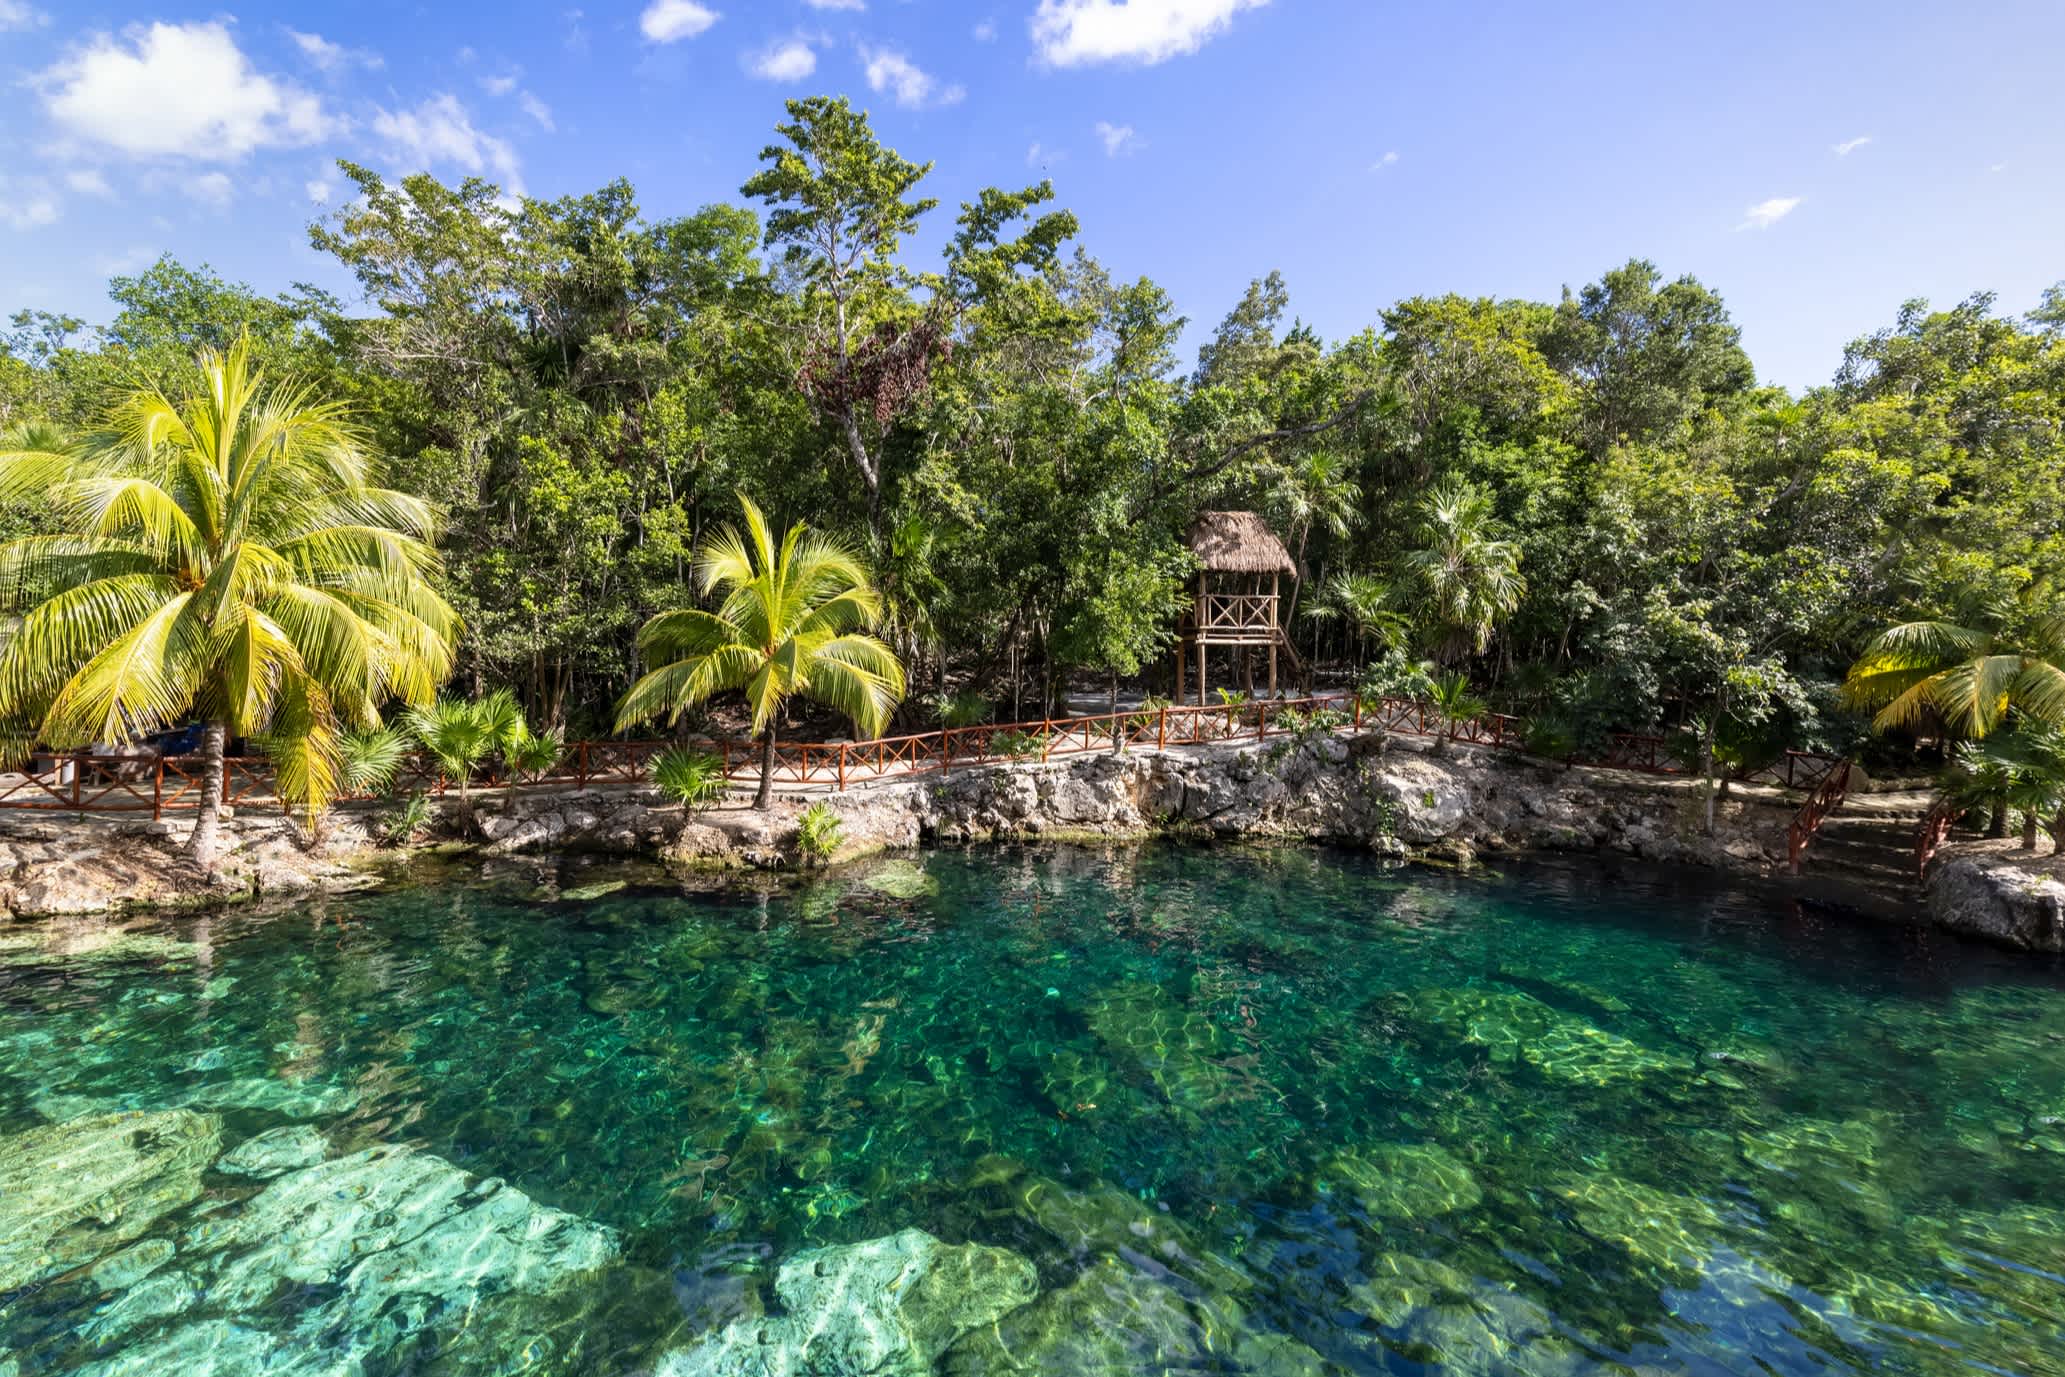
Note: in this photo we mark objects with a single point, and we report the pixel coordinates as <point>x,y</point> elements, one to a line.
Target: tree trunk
<point>764,800</point>
<point>2029,829</point>
<point>2058,833</point>
<point>201,846</point>
<point>1997,828</point>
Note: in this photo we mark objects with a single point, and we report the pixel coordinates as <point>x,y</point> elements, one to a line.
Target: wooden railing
<point>1828,796</point>
<point>1934,830</point>
<point>143,781</point>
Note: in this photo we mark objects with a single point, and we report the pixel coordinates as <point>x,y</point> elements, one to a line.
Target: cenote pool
<point>1201,1111</point>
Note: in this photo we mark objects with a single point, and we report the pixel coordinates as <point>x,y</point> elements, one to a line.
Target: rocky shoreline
<point>1399,799</point>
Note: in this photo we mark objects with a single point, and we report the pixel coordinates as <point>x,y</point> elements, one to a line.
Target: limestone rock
<point>71,1193</point>
<point>275,1151</point>
<point>1999,901</point>
<point>885,1308</point>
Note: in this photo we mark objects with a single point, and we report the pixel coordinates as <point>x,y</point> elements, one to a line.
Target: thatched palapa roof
<point>1238,543</point>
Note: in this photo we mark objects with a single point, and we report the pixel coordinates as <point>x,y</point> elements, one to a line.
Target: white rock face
<point>1999,901</point>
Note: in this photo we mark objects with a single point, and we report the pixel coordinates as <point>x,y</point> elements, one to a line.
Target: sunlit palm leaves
<point>228,557</point>
<point>792,622</point>
<point>1966,678</point>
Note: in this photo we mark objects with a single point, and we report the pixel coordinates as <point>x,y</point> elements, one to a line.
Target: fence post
<point>581,765</point>
<point>1046,737</point>
<point>842,767</point>
<point>1161,730</point>
<point>1357,701</point>
<point>946,750</point>
<point>1261,719</point>
<point>158,789</point>
<point>78,774</point>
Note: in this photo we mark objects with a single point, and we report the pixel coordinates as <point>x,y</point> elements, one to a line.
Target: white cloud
<point>181,90</point>
<point>787,59</point>
<point>319,191</point>
<point>1765,214</point>
<point>499,85</point>
<point>837,4</point>
<point>668,21</point>
<point>441,130</point>
<point>215,188</point>
<point>986,31</point>
<point>332,57</point>
<point>537,109</point>
<point>16,14</point>
<point>1117,138</point>
<point>131,260</point>
<point>87,181</point>
<point>1070,33</point>
<point>913,87</point>
<point>1849,146</point>
<point>1390,157</point>
<point>29,204</point>
<point>1039,155</point>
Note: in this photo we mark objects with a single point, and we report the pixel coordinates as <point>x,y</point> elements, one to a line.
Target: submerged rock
<point>1116,1321</point>
<point>398,1246</point>
<point>71,1193</point>
<point>1406,1181</point>
<point>1178,1050</point>
<point>1516,1027</point>
<point>275,1151</point>
<point>885,1308</point>
<point>900,879</point>
<point>1657,1227</point>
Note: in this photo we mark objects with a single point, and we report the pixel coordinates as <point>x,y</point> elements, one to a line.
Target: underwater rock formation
<point>275,1151</point>
<point>1116,1320</point>
<point>1406,1181</point>
<point>885,1308</point>
<point>71,1193</point>
<point>397,1244</point>
<point>1516,1027</point>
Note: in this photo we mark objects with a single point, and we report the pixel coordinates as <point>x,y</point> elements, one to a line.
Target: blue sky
<point>1816,163</point>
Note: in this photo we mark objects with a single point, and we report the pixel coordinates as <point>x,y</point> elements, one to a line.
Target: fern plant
<point>817,833</point>
<point>694,779</point>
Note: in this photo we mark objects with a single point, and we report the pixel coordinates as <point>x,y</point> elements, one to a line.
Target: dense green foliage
<point>1590,508</point>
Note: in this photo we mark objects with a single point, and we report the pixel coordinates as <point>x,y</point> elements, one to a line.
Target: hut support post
<point>1273,632</point>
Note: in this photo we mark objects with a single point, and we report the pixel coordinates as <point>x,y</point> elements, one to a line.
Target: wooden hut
<point>1238,592</point>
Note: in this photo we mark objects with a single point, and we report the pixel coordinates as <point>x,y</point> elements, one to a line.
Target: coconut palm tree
<point>230,558</point>
<point>1464,577</point>
<point>793,622</point>
<point>1966,677</point>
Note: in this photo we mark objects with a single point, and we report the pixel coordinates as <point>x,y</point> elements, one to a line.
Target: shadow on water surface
<point>1242,1110</point>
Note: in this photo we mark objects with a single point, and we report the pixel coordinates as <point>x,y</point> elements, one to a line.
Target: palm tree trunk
<point>2028,829</point>
<point>201,846</point>
<point>1998,827</point>
<point>764,800</point>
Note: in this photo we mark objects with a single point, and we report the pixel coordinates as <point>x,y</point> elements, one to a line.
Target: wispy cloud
<point>500,85</point>
<point>1390,157</point>
<point>785,59</point>
<point>28,204</point>
<point>1117,138</point>
<point>15,14</point>
<point>669,21</point>
<point>326,56</point>
<point>441,132</point>
<point>911,85</point>
<point>1072,33</point>
<point>319,191</point>
<point>214,188</point>
<point>1765,214</point>
<point>985,32</point>
<point>177,90</point>
<point>538,110</point>
<point>1039,155</point>
<point>88,181</point>
<point>1849,146</point>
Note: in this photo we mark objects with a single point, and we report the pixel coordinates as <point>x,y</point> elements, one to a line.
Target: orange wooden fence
<point>143,781</point>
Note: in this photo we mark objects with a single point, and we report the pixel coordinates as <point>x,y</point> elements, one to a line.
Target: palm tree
<point>1316,490</point>
<point>227,557</point>
<point>1966,677</point>
<point>1454,705</point>
<point>1464,578</point>
<point>1363,601</point>
<point>792,622</point>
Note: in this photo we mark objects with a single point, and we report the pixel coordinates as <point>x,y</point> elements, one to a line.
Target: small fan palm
<point>1454,704</point>
<point>793,622</point>
<point>1363,602</point>
<point>1464,577</point>
<point>1965,677</point>
<point>228,558</point>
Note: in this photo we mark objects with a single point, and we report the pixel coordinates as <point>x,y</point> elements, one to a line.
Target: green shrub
<point>964,709</point>
<point>372,759</point>
<point>1016,745</point>
<point>817,833</point>
<point>694,779</point>
<point>397,825</point>
<point>534,757</point>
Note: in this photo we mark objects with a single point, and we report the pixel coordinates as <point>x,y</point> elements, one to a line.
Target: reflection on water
<point>1166,1110</point>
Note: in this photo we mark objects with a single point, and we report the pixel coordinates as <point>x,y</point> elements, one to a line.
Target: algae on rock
<point>71,1193</point>
<point>884,1308</point>
<point>1407,1181</point>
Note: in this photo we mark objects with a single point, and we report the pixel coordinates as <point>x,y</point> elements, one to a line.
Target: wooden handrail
<point>1828,796</point>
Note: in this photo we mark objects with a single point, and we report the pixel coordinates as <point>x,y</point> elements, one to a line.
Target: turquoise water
<point>1242,1111</point>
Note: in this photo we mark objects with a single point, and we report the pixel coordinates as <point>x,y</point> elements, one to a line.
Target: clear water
<point>1300,1112</point>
